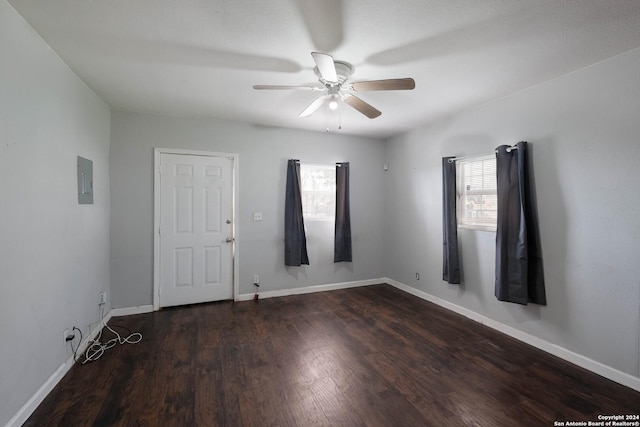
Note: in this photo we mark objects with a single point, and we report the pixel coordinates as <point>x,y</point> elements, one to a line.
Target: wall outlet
<point>66,336</point>
<point>417,276</point>
<point>102,298</point>
<point>256,278</point>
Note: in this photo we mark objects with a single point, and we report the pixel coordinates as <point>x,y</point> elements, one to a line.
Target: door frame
<point>235,267</point>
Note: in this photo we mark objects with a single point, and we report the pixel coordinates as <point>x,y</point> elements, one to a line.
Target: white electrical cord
<point>96,348</point>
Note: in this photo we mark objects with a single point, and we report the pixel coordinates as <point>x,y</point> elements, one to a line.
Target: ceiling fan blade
<point>389,84</point>
<point>284,87</point>
<point>313,107</point>
<point>361,106</point>
<point>326,66</point>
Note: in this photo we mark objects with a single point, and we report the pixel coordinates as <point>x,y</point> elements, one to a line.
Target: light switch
<point>257,216</point>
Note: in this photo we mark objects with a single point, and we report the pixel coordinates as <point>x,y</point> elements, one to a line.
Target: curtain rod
<point>318,164</point>
<point>453,159</point>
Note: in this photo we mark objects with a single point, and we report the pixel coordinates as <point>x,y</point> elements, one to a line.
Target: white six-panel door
<point>196,231</point>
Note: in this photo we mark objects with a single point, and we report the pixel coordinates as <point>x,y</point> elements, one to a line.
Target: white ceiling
<point>201,57</point>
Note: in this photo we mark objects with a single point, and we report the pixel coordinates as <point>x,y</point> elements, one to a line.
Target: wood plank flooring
<point>370,356</point>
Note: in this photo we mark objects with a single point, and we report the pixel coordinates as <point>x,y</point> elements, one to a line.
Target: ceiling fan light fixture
<point>333,103</point>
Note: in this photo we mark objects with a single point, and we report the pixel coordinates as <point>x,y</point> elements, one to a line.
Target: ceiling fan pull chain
<point>328,116</point>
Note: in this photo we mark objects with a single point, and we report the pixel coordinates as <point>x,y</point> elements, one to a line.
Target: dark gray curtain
<point>519,273</point>
<point>450,258</point>
<point>295,241</point>
<point>342,234</point>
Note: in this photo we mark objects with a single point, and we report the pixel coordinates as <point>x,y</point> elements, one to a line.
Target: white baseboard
<point>310,289</point>
<point>561,352</point>
<point>25,412</point>
<point>127,311</point>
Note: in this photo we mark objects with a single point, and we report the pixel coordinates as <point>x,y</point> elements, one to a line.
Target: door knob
<point>229,239</point>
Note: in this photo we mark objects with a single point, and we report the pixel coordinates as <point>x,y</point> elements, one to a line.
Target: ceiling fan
<point>334,76</point>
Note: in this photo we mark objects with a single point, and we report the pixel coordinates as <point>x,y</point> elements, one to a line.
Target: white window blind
<point>477,199</point>
<point>318,192</point>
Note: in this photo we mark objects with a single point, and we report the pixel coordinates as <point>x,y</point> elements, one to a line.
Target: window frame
<point>331,192</point>
<point>488,189</point>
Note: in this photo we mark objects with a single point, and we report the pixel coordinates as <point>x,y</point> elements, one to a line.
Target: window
<point>318,192</point>
<point>477,198</point>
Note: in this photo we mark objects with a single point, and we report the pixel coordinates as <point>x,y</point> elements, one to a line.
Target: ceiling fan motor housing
<point>343,71</point>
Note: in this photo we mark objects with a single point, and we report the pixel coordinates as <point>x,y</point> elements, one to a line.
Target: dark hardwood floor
<point>372,356</point>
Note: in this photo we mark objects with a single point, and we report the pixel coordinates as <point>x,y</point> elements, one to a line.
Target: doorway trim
<point>235,267</point>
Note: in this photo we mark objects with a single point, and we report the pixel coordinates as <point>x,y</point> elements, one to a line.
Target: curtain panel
<point>451,271</point>
<point>295,240</point>
<point>519,272</point>
<point>342,233</point>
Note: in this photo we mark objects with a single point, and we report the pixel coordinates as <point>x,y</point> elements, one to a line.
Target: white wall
<point>54,254</point>
<point>263,153</point>
<point>583,131</point>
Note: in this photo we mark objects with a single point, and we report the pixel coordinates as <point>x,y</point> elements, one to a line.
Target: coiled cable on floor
<point>96,347</point>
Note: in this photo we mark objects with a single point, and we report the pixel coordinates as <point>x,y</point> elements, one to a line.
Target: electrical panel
<point>85,181</point>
